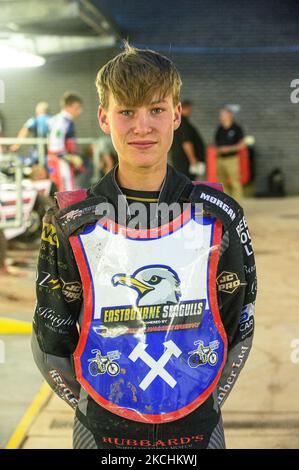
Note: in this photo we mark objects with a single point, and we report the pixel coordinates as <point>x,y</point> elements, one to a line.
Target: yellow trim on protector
<point>10,326</point>
<point>142,199</point>
<point>22,428</point>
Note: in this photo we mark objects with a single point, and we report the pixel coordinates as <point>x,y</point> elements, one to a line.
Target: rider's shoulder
<point>217,203</point>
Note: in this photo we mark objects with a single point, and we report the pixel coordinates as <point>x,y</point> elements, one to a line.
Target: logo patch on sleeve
<point>228,282</point>
<point>49,234</point>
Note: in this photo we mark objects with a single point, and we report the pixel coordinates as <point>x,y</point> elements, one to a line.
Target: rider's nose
<point>142,124</point>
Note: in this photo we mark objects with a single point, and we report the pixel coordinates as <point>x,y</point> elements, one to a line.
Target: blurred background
<point>235,55</point>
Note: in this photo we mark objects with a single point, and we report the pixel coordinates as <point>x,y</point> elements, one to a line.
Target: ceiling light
<point>11,58</point>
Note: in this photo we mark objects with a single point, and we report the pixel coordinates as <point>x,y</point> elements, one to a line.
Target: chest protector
<point>152,344</point>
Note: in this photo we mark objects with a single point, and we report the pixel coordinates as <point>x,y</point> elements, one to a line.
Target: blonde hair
<point>42,107</point>
<point>135,76</point>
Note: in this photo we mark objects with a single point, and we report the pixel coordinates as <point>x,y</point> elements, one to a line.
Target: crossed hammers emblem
<point>157,367</point>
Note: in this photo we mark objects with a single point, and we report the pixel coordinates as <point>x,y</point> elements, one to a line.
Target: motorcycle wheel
<point>113,368</point>
<point>213,357</point>
<point>93,369</point>
<point>194,360</point>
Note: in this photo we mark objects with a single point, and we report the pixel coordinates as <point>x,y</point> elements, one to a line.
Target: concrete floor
<point>20,378</point>
<point>20,381</point>
<point>262,410</point>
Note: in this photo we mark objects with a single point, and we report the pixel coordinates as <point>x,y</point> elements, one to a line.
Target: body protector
<point>152,345</point>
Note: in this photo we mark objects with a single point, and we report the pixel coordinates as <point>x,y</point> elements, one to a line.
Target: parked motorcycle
<point>36,199</point>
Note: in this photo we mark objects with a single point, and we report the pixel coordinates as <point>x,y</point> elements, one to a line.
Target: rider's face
<point>141,135</point>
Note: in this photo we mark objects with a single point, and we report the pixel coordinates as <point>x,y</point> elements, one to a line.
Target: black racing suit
<point>58,316</point>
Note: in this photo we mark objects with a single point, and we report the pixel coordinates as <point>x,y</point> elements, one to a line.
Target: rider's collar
<point>171,191</point>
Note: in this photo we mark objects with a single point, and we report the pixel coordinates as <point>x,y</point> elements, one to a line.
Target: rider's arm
<point>55,333</point>
<point>236,305</point>
<point>23,133</point>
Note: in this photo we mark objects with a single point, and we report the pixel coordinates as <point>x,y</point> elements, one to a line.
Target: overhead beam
<point>92,16</point>
<point>31,11</point>
<point>46,45</point>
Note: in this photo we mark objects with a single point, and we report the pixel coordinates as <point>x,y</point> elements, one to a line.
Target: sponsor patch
<point>244,235</point>
<point>228,282</point>
<point>53,320</point>
<point>217,202</point>
<point>71,290</point>
<point>118,441</point>
<point>49,234</point>
<point>62,389</point>
<point>45,279</point>
<point>235,370</point>
<point>187,314</point>
<point>75,214</point>
<point>247,320</point>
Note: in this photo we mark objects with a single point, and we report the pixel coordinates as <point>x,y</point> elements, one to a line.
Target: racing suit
<point>58,318</point>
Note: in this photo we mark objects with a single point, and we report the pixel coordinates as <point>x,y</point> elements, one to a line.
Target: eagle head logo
<point>154,284</point>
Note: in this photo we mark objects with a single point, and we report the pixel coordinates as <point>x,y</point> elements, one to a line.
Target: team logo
<point>101,364</point>
<point>49,234</point>
<point>156,367</point>
<point>203,354</point>
<point>228,282</point>
<point>157,305</point>
<point>154,285</point>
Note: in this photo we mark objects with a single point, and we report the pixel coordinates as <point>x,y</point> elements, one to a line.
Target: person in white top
<point>62,149</point>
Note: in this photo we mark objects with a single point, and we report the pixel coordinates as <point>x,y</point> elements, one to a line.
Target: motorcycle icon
<point>203,354</point>
<point>102,364</point>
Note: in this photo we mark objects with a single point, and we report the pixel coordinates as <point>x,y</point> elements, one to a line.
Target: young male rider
<point>144,290</point>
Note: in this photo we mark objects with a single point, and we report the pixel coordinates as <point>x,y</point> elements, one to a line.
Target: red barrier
<point>211,159</point>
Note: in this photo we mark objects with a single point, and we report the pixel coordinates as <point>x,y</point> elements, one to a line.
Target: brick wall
<point>24,88</point>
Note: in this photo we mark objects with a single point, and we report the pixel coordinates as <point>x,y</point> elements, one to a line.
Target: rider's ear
<point>104,120</point>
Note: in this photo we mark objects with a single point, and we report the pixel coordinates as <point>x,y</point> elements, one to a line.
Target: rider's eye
<point>126,112</point>
<point>157,110</point>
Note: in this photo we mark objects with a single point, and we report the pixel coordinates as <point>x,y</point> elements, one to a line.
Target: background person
<point>229,139</point>
<point>37,126</point>
<point>188,148</point>
<point>63,158</point>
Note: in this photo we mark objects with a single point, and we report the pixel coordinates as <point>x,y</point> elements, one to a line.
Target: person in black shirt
<point>229,140</point>
<point>188,148</point>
